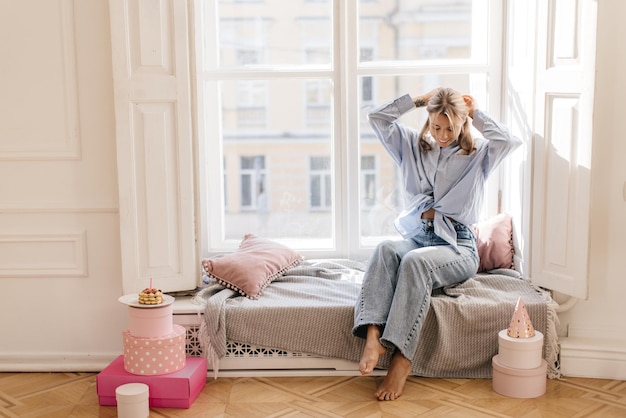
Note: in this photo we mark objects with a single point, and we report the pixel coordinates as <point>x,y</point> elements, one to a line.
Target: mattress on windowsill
<point>310,310</point>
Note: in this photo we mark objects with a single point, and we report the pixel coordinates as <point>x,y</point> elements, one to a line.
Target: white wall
<point>59,225</point>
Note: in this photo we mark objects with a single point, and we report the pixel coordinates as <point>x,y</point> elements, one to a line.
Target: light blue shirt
<point>443,179</point>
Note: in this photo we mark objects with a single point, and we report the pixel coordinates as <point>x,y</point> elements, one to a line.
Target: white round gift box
<point>132,400</point>
<point>520,353</point>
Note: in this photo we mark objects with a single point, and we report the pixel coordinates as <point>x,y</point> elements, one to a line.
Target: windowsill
<point>184,306</point>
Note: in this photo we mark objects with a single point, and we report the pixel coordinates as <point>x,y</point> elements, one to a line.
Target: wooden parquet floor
<point>74,395</point>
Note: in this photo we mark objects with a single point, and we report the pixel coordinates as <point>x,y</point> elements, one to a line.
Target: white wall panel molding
<point>42,121</point>
<point>564,34</point>
<point>59,255</point>
<point>593,351</point>
<point>594,358</point>
<point>55,362</point>
<point>151,70</point>
<point>65,207</point>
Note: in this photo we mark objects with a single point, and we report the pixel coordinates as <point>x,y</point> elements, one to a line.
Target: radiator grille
<point>192,341</point>
<point>240,350</point>
<point>235,350</point>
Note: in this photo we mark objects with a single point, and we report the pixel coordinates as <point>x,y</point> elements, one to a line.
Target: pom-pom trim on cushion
<point>251,268</point>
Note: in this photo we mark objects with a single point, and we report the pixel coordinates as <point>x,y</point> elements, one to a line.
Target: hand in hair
<point>469,101</point>
<point>423,99</point>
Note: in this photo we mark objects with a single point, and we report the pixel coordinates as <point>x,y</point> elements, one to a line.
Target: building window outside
<point>251,109</point>
<point>369,184</point>
<point>317,96</point>
<point>320,183</point>
<point>252,177</point>
<point>243,41</point>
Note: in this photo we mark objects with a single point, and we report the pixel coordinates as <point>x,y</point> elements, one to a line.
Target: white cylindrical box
<point>520,353</point>
<point>151,322</point>
<point>133,400</point>
<point>519,383</point>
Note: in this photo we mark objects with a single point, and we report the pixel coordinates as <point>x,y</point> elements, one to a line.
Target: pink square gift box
<point>173,390</point>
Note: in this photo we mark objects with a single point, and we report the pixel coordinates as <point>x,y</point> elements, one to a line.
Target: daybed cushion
<point>310,309</point>
<point>253,266</point>
<point>494,239</point>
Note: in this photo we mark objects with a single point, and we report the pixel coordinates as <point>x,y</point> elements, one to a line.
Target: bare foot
<point>373,349</point>
<point>392,385</point>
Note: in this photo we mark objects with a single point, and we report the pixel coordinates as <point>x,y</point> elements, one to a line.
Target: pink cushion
<point>253,266</point>
<point>494,239</point>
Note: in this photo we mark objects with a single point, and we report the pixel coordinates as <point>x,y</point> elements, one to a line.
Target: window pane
<point>281,183</point>
<point>380,208</point>
<point>421,30</point>
<point>274,33</point>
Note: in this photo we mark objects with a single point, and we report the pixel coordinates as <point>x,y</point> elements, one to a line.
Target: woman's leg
<point>372,351</point>
<point>420,271</point>
<point>374,302</point>
<point>393,384</point>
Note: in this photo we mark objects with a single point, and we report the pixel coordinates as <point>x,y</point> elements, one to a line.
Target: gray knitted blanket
<point>310,310</point>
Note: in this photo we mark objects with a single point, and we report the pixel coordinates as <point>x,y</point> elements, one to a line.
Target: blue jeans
<point>400,277</point>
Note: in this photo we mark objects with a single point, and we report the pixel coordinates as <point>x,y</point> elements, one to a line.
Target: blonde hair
<point>450,103</point>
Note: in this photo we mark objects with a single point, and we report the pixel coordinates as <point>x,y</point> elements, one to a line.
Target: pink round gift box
<point>519,383</point>
<point>150,322</point>
<point>155,356</point>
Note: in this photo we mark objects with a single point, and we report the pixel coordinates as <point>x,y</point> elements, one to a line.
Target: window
<point>547,77</point>
<point>295,85</point>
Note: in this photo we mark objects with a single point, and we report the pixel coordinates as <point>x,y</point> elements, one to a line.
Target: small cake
<point>150,296</point>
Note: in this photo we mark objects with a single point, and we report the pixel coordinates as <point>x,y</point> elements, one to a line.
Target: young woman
<point>444,170</point>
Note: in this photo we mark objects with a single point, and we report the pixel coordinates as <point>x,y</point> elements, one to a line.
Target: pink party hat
<point>520,326</point>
